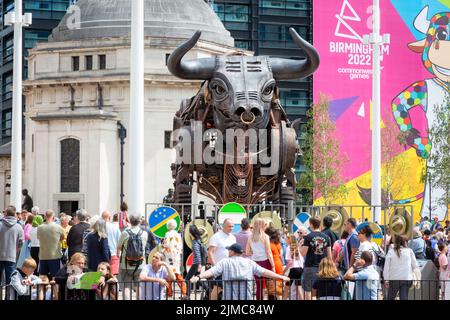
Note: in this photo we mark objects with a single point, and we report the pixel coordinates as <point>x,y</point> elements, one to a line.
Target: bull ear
<point>417,46</point>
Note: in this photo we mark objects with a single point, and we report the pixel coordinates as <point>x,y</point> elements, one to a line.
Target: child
<point>22,279</point>
<point>443,263</point>
<point>107,287</point>
<point>294,268</point>
<point>75,273</point>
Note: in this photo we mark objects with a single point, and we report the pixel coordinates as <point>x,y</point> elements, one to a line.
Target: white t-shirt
<point>33,237</point>
<point>113,232</point>
<point>221,240</point>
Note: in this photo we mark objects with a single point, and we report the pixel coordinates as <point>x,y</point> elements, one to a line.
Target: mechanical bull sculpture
<point>423,95</point>
<point>239,94</point>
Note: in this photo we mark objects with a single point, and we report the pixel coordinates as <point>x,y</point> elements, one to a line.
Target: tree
<point>395,164</point>
<point>439,162</point>
<point>321,156</point>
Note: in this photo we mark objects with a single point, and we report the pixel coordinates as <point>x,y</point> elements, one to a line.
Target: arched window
<point>70,165</point>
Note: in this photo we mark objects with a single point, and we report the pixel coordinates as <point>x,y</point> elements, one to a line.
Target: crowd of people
<point>259,262</point>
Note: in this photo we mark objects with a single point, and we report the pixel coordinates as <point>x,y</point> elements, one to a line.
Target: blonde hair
<point>29,263</point>
<point>76,256</point>
<point>327,269</point>
<point>259,228</point>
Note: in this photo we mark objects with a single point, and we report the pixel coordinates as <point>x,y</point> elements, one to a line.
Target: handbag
<point>345,292</point>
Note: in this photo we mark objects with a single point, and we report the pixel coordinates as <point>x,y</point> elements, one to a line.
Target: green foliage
<point>321,156</point>
<point>439,168</point>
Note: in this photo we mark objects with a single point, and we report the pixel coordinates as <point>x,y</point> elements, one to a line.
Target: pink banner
<point>345,76</point>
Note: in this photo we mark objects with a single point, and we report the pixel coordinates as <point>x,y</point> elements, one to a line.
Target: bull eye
<point>268,91</point>
<point>442,34</point>
<point>219,89</point>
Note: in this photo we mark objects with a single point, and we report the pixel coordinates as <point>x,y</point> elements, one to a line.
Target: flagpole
<point>18,20</point>
<point>136,126</point>
<point>376,114</point>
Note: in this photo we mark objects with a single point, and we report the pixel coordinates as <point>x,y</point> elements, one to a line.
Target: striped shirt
<point>237,268</point>
<point>197,251</point>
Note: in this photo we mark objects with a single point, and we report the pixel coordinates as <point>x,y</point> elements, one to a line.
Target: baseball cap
<point>236,247</point>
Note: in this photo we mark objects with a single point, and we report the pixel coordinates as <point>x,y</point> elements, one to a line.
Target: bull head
<point>242,88</point>
<point>435,48</point>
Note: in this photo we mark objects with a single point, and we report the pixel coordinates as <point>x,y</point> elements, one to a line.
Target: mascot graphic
<point>425,95</point>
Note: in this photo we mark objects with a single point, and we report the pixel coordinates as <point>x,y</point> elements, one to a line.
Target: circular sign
<point>159,218</point>
<point>233,211</point>
<point>269,215</point>
<point>302,220</point>
<point>189,262</point>
<point>377,235</point>
<point>204,227</point>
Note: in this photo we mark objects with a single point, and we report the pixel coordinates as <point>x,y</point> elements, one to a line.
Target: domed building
<point>78,93</point>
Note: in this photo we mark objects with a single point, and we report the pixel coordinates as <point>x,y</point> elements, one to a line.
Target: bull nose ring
<point>246,120</point>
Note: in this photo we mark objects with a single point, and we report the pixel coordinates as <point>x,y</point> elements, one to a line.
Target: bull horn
<point>421,23</point>
<point>201,69</point>
<point>283,69</point>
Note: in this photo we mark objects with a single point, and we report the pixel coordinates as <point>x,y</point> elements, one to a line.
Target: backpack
<point>429,252</point>
<point>203,254</point>
<point>134,254</point>
<point>381,256</point>
<point>84,243</point>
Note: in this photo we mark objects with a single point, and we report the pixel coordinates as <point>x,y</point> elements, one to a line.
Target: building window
<point>167,139</point>
<point>167,57</point>
<point>7,83</point>
<point>234,16</point>
<point>288,8</point>
<point>75,63</point>
<point>8,49</point>
<point>88,60</point>
<point>6,125</point>
<point>278,36</point>
<point>54,9</point>
<point>32,37</point>
<point>70,165</point>
<point>242,44</point>
<point>102,62</point>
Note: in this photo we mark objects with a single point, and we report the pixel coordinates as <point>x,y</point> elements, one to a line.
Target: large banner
<point>415,76</point>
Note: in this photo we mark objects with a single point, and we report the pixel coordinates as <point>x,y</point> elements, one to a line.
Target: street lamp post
<point>376,40</point>
<point>18,21</point>
<point>136,125</point>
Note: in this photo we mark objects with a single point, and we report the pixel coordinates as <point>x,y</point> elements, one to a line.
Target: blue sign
<point>302,219</point>
<point>159,218</point>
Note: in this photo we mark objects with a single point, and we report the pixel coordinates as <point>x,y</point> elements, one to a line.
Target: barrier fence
<point>323,289</point>
<point>287,213</point>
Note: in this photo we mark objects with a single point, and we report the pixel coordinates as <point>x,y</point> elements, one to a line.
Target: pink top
<point>337,247</point>
<point>443,262</point>
<point>26,231</point>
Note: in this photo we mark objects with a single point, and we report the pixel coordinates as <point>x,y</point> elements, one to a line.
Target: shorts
<point>309,276</point>
<point>114,264</point>
<point>127,276</point>
<point>49,267</point>
<point>295,274</point>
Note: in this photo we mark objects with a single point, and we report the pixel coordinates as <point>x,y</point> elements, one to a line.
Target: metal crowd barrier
<point>323,289</point>
<point>362,213</point>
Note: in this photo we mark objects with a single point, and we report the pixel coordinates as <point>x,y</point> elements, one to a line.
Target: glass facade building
<point>46,16</point>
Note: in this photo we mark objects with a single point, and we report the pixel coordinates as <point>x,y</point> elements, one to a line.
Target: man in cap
<point>237,273</point>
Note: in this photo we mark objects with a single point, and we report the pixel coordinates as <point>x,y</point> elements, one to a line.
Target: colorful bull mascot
<point>425,95</point>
